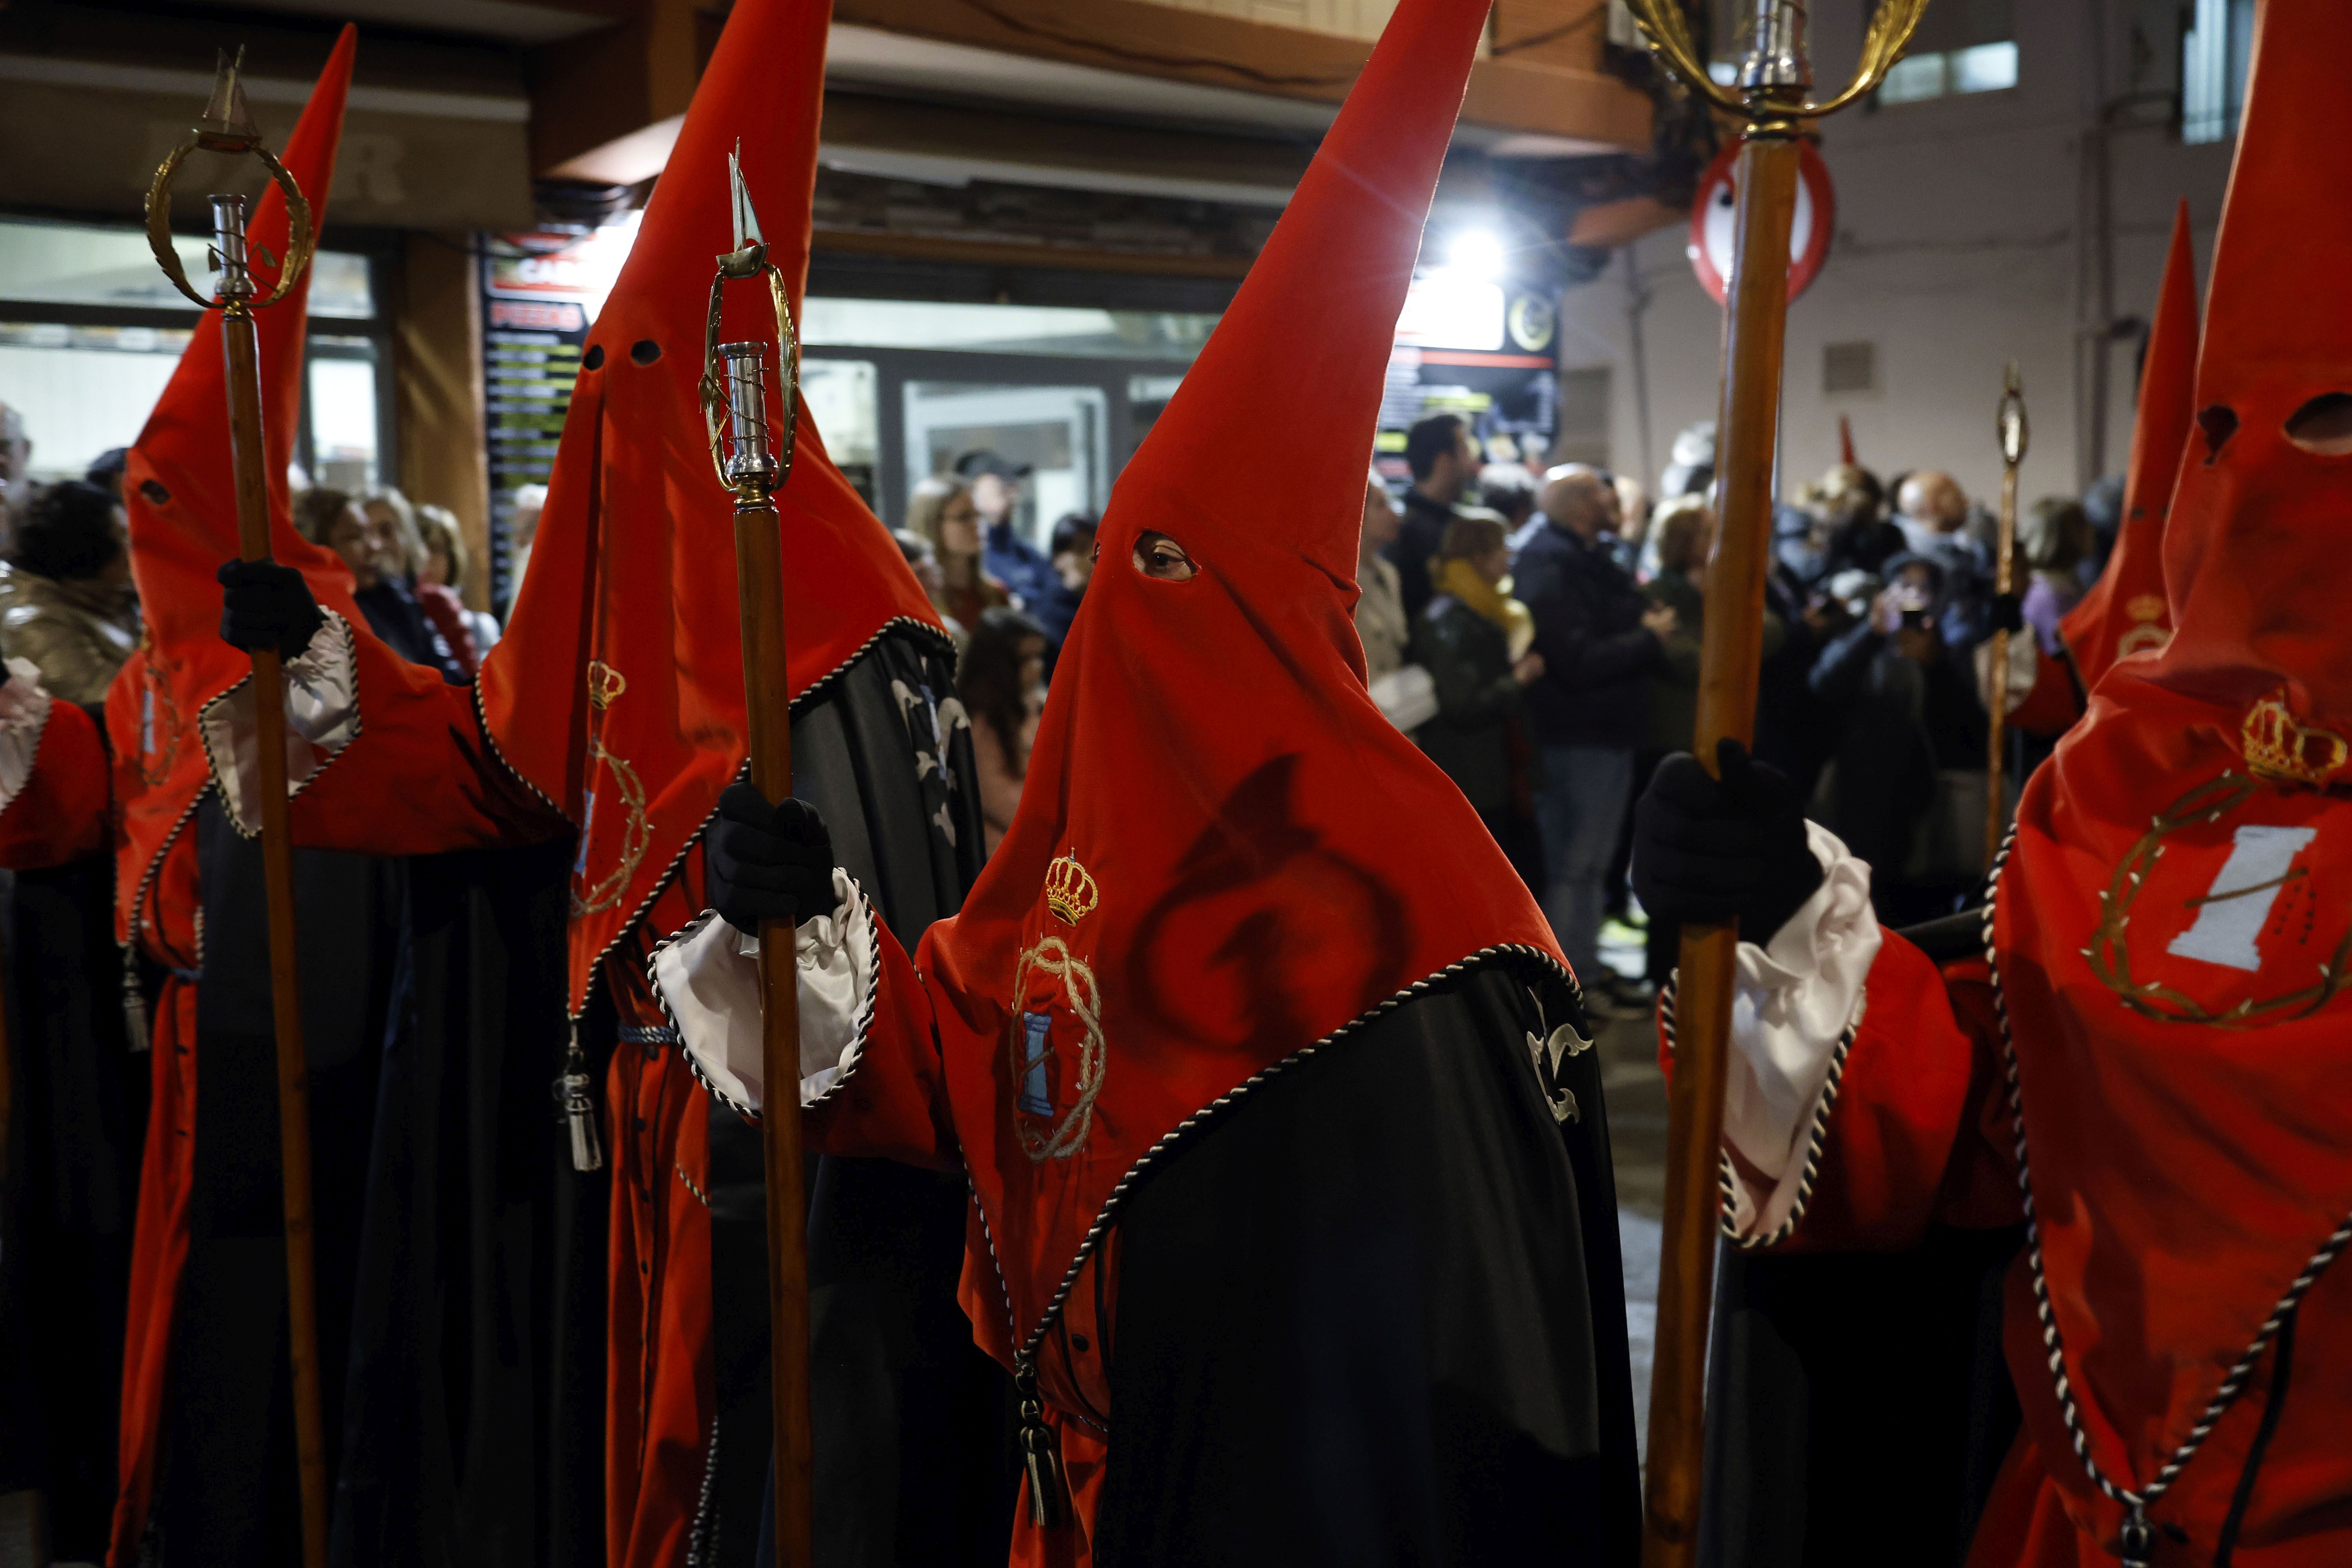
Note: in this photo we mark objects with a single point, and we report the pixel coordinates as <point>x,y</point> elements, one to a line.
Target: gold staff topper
<point>228,126</point>
<point>2009,422</point>
<point>1775,78</point>
<point>734,399</point>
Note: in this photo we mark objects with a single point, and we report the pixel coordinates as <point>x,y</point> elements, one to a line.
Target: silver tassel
<point>134,1004</point>
<point>1049,1496</point>
<point>2138,1539</point>
<point>577,1104</point>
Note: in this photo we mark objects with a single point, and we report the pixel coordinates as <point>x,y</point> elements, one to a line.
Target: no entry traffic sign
<point>1711,225</point>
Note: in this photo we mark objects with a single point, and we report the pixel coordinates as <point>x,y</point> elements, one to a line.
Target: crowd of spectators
<point>69,607</point>
<point>1549,651</point>
<point>1538,636</point>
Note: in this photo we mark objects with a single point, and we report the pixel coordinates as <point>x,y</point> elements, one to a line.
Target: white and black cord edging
<point>816,688</point>
<point>857,1053</point>
<point>40,733</point>
<point>212,759</point>
<point>1728,1179</point>
<point>1169,1139</point>
<point>2233,1382</point>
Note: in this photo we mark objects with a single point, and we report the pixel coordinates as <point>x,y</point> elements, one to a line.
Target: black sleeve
<point>1467,694</point>
<point>1577,659</point>
<point>1838,672</point>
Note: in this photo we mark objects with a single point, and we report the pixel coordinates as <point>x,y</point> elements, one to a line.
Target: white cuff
<point>2024,669</point>
<point>708,977</point>
<point>1793,1019</point>
<point>322,717</point>
<point>23,715</point>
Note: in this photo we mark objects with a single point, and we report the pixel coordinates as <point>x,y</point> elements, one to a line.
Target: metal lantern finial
<point>734,379</point>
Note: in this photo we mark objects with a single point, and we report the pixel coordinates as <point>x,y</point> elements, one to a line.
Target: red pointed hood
<point>617,691</point>
<point>2126,610</point>
<point>2256,560</point>
<point>180,489</point>
<point>1224,853</point>
<point>2171,929</point>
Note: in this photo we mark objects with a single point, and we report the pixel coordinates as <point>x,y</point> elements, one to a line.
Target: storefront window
<point>340,395</point>
<point>1057,433</point>
<point>843,398</point>
<point>91,331</point>
<point>83,390</point>
<point>1064,331</point>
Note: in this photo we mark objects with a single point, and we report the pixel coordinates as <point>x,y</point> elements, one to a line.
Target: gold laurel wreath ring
<point>300,241</point>
<point>637,833</point>
<point>2110,957</point>
<point>1053,956</point>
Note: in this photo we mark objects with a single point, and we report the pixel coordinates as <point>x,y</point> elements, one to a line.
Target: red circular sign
<point>1713,214</point>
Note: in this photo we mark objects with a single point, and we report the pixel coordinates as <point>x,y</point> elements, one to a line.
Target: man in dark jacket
<point>1600,639</point>
<point>1443,457</point>
<point>1004,554</point>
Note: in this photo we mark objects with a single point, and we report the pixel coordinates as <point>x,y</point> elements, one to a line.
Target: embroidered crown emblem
<point>1070,893</point>
<point>2277,747</point>
<point>2146,607</point>
<point>605,683</point>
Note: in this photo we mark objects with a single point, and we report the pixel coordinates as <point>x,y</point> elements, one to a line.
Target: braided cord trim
<point>2233,1382</point>
<point>1534,956</point>
<point>628,929</point>
<point>342,628</point>
<point>1728,1179</point>
<point>857,1053</point>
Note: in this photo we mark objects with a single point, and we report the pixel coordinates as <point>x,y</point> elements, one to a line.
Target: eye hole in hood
<point>2322,425</point>
<point>1164,560</point>
<point>2219,423</point>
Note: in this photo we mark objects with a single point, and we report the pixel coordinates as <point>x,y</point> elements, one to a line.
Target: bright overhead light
<point>1476,251</point>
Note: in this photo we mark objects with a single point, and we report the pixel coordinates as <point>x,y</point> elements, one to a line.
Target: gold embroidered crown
<point>2146,607</point>
<point>1070,893</point>
<point>2277,747</point>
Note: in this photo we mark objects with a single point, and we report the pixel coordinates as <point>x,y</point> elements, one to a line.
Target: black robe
<point>914,1458</point>
<point>1374,1312</point>
<point>227,1492</point>
<point>79,1119</point>
<point>474,1403</point>
<point>1858,1404</point>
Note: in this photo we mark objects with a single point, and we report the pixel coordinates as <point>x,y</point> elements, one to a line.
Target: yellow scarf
<point>1492,600</point>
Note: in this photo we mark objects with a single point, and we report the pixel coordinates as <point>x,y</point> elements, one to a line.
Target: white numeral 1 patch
<point>2230,914</point>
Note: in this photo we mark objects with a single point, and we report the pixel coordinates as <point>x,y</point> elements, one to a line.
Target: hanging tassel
<point>577,1105</point>
<point>134,1004</point>
<point>2138,1539</point>
<point>1049,1496</point>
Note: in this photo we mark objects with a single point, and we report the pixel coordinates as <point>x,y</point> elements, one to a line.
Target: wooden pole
<point>767,699</point>
<point>1731,653</point>
<point>242,341</point>
<point>2009,424</point>
<point>1771,92</point>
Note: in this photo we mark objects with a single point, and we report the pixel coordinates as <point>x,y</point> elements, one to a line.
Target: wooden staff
<point>754,472</point>
<point>227,127</point>
<point>2009,424</point>
<point>1773,86</point>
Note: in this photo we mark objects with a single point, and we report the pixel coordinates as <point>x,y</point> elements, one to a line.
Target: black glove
<point>264,605</point>
<point>767,862</point>
<point>2004,616</point>
<point>1709,851</point>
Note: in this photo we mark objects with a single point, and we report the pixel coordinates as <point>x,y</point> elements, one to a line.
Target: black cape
<point>1374,1313</point>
